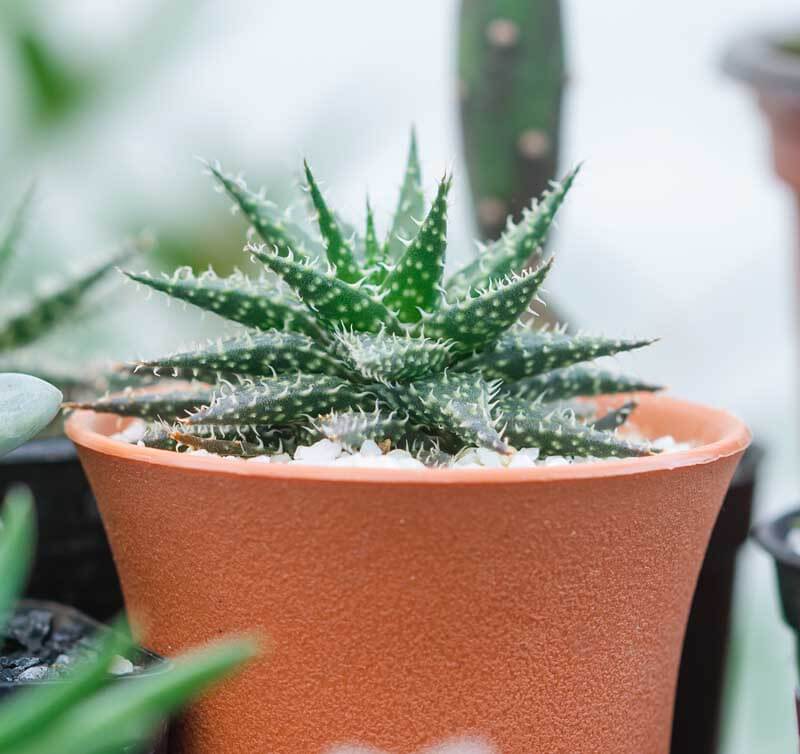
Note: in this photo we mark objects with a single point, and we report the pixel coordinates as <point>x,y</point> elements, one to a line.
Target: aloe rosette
<point>354,338</point>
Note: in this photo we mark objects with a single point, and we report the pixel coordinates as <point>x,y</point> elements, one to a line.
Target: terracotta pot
<point>534,610</point>
<point>701,680</point>
<point>765,62</point>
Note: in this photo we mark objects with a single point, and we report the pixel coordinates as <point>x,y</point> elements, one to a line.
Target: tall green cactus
<point>511,76</point>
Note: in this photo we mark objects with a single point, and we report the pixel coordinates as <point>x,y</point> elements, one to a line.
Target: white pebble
<point>470,458</point>
<point>489,458</point>
<point>133,433</point>
<point>520,461</point>
<point>370,448</point>
<point>667,442</point>
<point>36,673</point>
<point>321,452</point>
<point>532,453</point>
<point>259,459</point>
<point>556,461</point>
<point>120,666</point>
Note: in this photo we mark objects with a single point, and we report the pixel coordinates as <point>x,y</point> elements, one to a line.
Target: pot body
<point>540,611</point>
<point>73,563</point>
<point>701,680</point>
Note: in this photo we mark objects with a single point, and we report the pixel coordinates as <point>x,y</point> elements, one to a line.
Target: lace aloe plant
<point>363,338</point>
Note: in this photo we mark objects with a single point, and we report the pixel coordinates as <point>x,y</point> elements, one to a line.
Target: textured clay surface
<point>541,610</point>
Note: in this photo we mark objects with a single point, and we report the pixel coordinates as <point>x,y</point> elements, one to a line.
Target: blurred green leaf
<point>8,242</point>
<point>16,546</point>
<point>27,406</point>
<point>22,716</point>
<point>53,92</point>
<point>126,713</point>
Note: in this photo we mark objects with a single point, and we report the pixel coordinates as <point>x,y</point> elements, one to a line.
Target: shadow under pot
<point>73,563</point>
<point>781,539</point>
<point>42,640</point>
<point>695,726</point>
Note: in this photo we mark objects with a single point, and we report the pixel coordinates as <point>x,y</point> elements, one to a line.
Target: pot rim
<point>758,60</point>
<point>771,535</point>
<point>732,437</point>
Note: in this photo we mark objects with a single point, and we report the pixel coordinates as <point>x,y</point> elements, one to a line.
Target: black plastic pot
<point>73,563</point>
<point>772,536</point>
<point>695,726</point>
<point>149,662</point>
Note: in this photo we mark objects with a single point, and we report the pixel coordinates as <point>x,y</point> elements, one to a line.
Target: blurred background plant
<point>51,306</point>
<point>675,180</point>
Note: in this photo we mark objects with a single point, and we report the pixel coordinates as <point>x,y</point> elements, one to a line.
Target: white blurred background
<point>677,226</point>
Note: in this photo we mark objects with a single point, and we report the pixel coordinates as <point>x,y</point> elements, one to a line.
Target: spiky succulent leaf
<point>372,248</point>
<point>162,406</point>
<point>457,404</point>
<point>335,302</point>
<point>525,353</point>
<point>477,321</point>
<point>518,244</point>
<point>352,428</point>
<point>386,357</point>
<point>573,381</point>
<point>267,220</point>
<point>14,229</point>
<point>414,283</point>
<point>159,436</point>
<point>430,453</point>
<point>338,249</point>
<point>410,206</point>
<point>279,400</point>
<point>237,298</point>
<point>559,434</point>
<point>253,354</point>
<point>42,314</point>
<point>217,446</point>
<point>163,436</point>
<point>350,234</point>
<point>615,418</point>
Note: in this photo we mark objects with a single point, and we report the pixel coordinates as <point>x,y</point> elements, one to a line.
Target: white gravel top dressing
<point>369,455</point>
